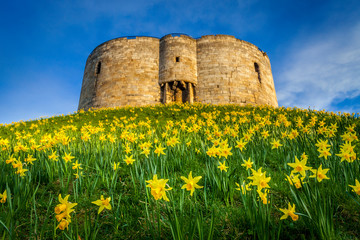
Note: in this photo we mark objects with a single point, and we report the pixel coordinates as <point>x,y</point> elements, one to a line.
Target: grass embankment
<point>258,166</point>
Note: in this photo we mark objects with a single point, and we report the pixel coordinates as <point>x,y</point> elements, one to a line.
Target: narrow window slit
<point>257,69</point>
<point>177,59</point>
<point>98,68</point>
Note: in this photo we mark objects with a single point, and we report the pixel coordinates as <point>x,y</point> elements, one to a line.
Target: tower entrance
<point>177,91</point>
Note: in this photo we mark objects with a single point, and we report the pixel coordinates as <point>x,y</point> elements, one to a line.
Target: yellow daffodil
<point>172,141</point>
<point>29,159</point>
<point>63,224</point>
<point>68,157</point>
<point>223,167</point>
<point>10,160</point>
<point>265,134</point>
<point>225,151</point>
<point>62,211</point>
<point>103,203</point>
<point>319,173</point>
<point>53,156</point>
<point>321,144</point>
<point>299,166</point>
<point>290,211</point>
<point>243,188</point>
<point>295,180</point>
<point>159,150</point>
<point>3,197</point>
<point>115,166</point>
<point>259,179</point>
<point>158,189</point>
<point>76,165</point>
<point>263,196</point>
<point>275,144</point>
<point>325,152</point>
<point>248,164</point>
<point>191,183</point>
<point>356,188</point>
<point>129,160</point>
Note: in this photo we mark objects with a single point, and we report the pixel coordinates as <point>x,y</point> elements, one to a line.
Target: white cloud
<point>322,70</point>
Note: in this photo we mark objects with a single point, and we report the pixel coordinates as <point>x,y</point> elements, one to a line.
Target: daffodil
<point>295,180</point>
<point>68,157</point>
<point>243,188</point>
<point>241,144</point>
<point>10,160</point>
<point>103,203</point>
<point>3,197</point>
<point>325,152</point>
<point>129,160</point>
<point>115,166</point>
<point>275,144</point>
<point>76,165</point>
<point>263,196</point>
<point>290,211</point>
<point>63,224</point>
<point>320,173</point>
<point>29,159</point>
<point>248,164</point>
<point>62,211</point>
<point>191,183</point>
<point>225,151</point>
<point>146,151</point>
<point>259,179</point>
<point>299,166</point>
<point>159,150</point>
<point>172,141</point>
<point>356,188</point>
<point>223,167</point>
<point>53,156</point>
<point>158,189</point>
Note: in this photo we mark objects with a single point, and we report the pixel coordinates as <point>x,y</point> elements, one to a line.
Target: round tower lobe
<point>177,69</point>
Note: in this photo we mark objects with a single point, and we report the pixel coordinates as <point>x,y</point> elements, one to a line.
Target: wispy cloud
<point>322,70</point>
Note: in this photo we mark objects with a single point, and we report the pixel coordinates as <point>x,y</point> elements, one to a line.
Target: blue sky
<point>313,46</point>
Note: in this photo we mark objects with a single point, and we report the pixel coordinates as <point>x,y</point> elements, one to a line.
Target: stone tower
<point>216,69</point>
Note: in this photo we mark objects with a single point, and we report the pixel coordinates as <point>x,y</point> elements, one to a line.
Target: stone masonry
<point>216,69</point>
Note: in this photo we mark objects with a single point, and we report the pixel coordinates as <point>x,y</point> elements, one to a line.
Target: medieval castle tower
<point>216,69</point>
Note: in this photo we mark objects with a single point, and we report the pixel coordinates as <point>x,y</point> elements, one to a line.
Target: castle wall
<point>129,74</point>
<point>227,74</point>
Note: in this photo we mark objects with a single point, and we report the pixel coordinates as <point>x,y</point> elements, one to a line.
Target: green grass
<point>99,139</point>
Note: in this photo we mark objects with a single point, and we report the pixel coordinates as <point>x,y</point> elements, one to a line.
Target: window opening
<point>257,70</point>
<point>177,59</point>
<point>98,68</point>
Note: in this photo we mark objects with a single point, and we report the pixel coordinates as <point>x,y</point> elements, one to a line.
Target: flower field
<point>182,171</point>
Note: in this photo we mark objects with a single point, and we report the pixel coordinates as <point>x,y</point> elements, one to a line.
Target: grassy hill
<point>183,172</point>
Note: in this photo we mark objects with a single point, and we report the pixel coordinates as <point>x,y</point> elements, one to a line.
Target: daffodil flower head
<point>248,164</point>
<point>158,188</point>
<point>63,224</point>
<point>299,166</point>
<point>103,203</point>
<point>290,211</point>
<point>356,188</point>
<point>129,160</point>
<point>3,197</point>
<point>222,166</point>
<point>191,183</point>
<point>319,174</point>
